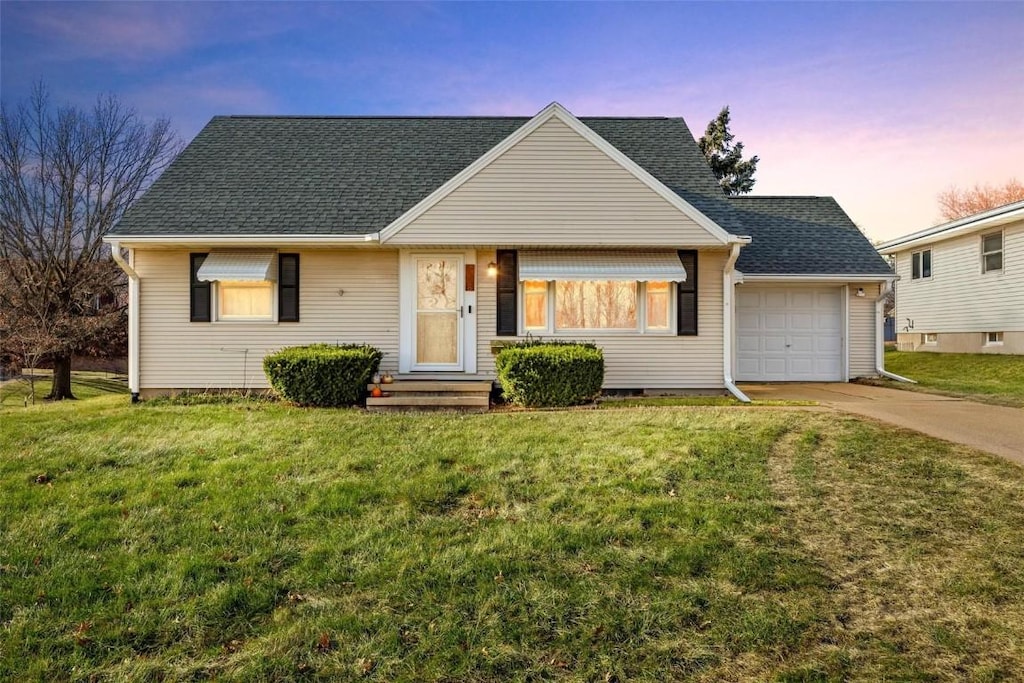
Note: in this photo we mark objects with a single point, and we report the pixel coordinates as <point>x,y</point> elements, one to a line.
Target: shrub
<point>322,374</point>
<point>549,374</point>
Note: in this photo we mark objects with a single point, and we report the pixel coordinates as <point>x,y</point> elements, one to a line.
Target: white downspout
<point>879,335</point>
<point>133,317</point>
<point>728,294</point>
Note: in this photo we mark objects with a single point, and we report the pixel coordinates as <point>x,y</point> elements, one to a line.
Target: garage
<point>789,334</point>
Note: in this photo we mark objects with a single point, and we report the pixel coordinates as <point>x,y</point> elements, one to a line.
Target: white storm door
<point>438,310</point>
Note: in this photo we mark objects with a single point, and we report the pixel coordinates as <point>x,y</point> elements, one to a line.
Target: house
<point>961,284</point>
<point>437,239</point>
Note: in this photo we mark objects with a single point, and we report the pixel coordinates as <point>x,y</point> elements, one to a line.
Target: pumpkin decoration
<point>376,392</point>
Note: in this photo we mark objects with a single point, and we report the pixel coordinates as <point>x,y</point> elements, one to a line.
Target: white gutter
<point>879,336</point>
<point>728,294</point>
<point>838,279</point>
<point>235,240</point>
<point>133,316</point>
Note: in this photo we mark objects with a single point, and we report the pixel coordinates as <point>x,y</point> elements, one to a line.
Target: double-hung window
<point>921,264</point>
<point>992,252</point>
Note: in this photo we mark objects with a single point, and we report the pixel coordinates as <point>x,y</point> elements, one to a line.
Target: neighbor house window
<point>931,338</point>
<point>992,252</point>
<point>994,338</point>
<point>594,305</point>
<point>921,264</point>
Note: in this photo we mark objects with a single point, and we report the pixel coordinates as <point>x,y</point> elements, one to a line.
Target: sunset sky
<point>881,105</point>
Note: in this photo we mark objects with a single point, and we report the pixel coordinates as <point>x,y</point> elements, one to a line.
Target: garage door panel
<point>775,321</point>
<point>748,320</point>
<point>801,300</point>
<point>801,321</point>
<point>789,334</point>
<point>802,343</point>
<point>829,344</point>
<point>748,299</point>
<point>751,344</point>
<point>829,300</point>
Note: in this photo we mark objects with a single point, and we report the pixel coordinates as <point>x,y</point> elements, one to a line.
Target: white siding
<point>636,361</point>
<point>178,354</point>
<point>958,297</point>
<point>862,341</point>
<point>554,188</point>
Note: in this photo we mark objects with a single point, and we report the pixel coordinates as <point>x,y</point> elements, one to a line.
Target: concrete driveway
<point>993,429</point>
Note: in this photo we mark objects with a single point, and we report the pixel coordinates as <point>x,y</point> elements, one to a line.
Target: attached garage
<point>790,334</point>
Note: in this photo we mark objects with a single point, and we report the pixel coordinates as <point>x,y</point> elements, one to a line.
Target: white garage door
<point>789,335</point>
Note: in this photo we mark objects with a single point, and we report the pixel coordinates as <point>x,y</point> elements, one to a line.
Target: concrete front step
<point>427,386</point>
<point>431,395</point>
<point>407,401</point>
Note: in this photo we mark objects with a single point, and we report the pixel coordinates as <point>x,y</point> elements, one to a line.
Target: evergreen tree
<point>735,174</point>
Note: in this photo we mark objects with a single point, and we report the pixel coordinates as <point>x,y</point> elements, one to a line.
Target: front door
<point>438,313</point>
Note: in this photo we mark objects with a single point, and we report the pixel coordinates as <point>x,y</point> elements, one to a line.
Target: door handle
<point>460,310</point>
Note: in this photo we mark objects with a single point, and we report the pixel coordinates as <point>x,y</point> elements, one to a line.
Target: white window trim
<point>1001,251</point>
<point>931,264</point>
<point>931,342</point>
<point>998,342</point>
<point>638,331</point>
<point>215,292</point>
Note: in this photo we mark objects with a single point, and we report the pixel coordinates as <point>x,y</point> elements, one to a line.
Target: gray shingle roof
<point>355,175</point>
<point>257,175</point>
<point>803,235</point>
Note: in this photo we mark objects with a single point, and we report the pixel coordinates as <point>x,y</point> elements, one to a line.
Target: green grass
<point>15,393</point>
<point>990,378</point>
<point>255,541</point>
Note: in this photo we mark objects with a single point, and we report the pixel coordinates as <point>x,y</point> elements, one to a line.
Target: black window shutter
<point>686,296</point>
<point>508,279</point>
<point>288,288</point>
<point>199,298</point>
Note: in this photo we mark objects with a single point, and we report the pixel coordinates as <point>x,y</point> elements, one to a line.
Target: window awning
<point>239,265</point>
<point>642,266</point>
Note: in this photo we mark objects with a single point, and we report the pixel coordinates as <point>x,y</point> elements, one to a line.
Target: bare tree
<point>955,202</point>
<point>66,176</point>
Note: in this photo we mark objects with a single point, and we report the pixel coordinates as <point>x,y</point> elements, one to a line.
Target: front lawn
<point>254,541</point>
<point>990,378</point>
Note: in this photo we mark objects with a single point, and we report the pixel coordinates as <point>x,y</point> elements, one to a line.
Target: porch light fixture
<point>860,291</point>
<point>492,269</point>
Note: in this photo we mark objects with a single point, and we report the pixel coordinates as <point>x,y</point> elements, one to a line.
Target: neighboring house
<point>961,284</point>
<point>436,239</point>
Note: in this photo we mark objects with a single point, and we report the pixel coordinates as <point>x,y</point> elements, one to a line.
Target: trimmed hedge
<point>322,374</point>
<point>540,374</point>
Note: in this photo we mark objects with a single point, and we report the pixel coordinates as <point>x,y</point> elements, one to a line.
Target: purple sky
<point>881,105</point>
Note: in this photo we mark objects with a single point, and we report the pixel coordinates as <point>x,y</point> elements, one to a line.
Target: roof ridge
<point>783,196</point>
<point>431,117</point>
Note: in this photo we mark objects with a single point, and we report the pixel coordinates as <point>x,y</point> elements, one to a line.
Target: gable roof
<point>983,220</point>
<point>803,236</point>
<point>246,175</point>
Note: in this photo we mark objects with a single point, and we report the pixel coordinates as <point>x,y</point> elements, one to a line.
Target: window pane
<point>595,305</point>
<point>246,300</point>
<point>535,303</point>
<point>915,265</point>
<point>658,297</point>
<point>992,243</point>
<point>926,263</point>
<point>994,261</point>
